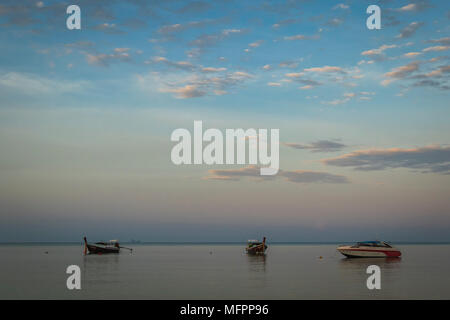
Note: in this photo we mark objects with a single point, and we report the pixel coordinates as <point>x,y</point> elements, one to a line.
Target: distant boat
<point>111,246</point>
<point>255,247</point>
<point>369,249</point>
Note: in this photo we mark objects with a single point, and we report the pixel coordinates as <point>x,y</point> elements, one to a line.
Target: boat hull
<point>256,250</point>
<point>100,250</point>
<point>369,252</point>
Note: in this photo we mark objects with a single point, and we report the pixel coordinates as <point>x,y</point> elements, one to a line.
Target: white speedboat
<point>369,249</point>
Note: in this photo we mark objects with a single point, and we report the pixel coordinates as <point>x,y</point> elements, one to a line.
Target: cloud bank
<point>297,176</point>
<point>318,146</point>
<point>433,158</point>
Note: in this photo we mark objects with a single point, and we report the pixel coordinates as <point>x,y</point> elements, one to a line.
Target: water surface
<point>221,272</point>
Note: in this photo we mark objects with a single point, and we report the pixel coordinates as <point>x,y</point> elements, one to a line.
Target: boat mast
<point>85,246</point>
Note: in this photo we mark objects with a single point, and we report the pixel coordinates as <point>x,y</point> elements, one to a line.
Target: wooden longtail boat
<point>256,247</point>
<point>112,246</point>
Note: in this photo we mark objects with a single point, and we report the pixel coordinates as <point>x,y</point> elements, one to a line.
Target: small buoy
<point>46,252</point>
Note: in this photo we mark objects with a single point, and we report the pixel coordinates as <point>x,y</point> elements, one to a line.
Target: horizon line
<point>214,242</point>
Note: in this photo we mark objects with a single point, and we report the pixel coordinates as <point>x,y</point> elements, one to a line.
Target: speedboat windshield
<point>373,244</point>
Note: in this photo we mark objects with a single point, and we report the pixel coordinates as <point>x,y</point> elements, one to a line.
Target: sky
<point>86,117</point>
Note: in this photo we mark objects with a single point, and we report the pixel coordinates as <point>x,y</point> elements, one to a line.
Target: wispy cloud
<point>27,83</point>
<point>400,72</point>
<point>188,91</point>
<point>102,59</point>
<point>409,30</point>
<point>110,28</point>
<point>436,48</point>
<point>415,6</point>
<point>180,27</point>
<point>325,69</point>
<point>195,84</point>
<point>303,176</point>
<point>300,78</point>
<point>290,64</point>
<point>341,6</point>
<point>378,53</point>
<point>182,65</point>
<point>412,54</point>
<point>297,176</point>
<point>318,146</point>
<point>208,40</point>
<point>285,22</point>
<point>443,41</point>
<point>256,44</point>
<point>334,22</point>
<point>438,72</point>
<point>425,159</point>
<point>346,97</point>
<point>213,69</point>
<point>436,77</point>
<point>300,37</point>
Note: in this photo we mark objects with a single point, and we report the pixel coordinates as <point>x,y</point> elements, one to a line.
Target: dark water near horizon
<point>212,271</point>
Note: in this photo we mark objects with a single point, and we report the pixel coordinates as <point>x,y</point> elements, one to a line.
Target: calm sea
<point>221,272</point>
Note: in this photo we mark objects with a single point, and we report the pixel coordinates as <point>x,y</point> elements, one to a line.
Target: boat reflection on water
<point>101,260</point>
<point>256,274</point>
<point>257,263</point>
<point>354,271</point>
<point>391,262</point>
<point>100,269</point>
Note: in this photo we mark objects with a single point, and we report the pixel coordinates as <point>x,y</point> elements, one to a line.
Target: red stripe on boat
<point>386,252</point>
